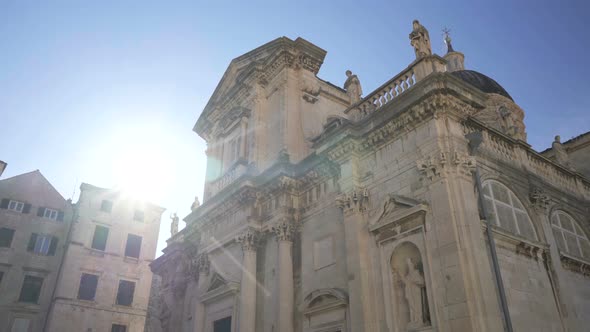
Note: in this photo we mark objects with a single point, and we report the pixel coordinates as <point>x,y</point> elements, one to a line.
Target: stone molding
<point>519,245</point>
<point>356,201</point>
<point>444,163</point>
<point>249,239</point>
<point>539,199</point>
<point>575,264</point>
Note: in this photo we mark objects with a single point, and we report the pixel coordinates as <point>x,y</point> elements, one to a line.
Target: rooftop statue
<point>420,40</point>
<point>174,224</point>
<point>561,155</point>
<point>353,87</point>
<point>195,204</point>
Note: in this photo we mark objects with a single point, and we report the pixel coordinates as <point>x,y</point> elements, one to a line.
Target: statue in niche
<point>174,224</point>
<point>195,204</point>
<point>420,40</point>
<point>561,155</point>
<point>415,294</point>
<point>353,87</point>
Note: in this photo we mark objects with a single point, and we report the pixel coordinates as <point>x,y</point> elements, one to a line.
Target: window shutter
<point>32,241</point>
<point>60,216</point>
<point>4,204</point>
<point>27,208</point>
<point>40,212</point>
<point>52,246</point>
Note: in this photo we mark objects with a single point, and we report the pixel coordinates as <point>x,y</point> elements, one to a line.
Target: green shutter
<point>32,241</point>
<point>52,246</point>
<point>4,204</point>
<point>40,212</point>
<point>60,216</point>
<point>27,208</point>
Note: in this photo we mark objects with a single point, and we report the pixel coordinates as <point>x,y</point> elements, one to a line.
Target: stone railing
<point>232,174</point>
<point>384,94</point>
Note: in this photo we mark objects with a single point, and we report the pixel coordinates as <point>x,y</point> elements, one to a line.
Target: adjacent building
<point>34,222</point>
<point>105,281</point>
<point>74,267</point>
<point>419,206</point>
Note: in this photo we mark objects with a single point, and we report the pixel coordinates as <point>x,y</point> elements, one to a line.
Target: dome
<point>481,81</point>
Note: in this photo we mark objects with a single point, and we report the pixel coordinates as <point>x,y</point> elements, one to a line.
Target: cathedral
<point>419,206</point>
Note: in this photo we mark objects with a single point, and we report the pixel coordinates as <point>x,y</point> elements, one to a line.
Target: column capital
<point>203,263</point>
<point>249,239</point>
<point>539,199</point>
<point>443,163</point>
<point>356,201</point>
<point>284,229</point>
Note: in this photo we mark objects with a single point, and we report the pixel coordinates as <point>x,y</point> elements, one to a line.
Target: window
<point>106,206</point>
<point>16,206</point>
<point>87,289</point>
<point>222,325</point>
<point>118,328</point>
<point>42,244</point>
<point>6,235</point>
<point>125,292</point>
<point>138,215</point>
<point>506,211</point>
<point>31,289</point>
<point>50,214</point>
<point>133,246</point>
<point>569,236</point>
<point>99,241</point>
<point>20,325</point>
<point>1,276</point>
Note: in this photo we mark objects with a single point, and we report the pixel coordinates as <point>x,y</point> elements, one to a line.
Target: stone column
<point>284,231</point>
<point>244,135</point>
<point>203,267</point>
<point>359,262</point>
<point>247,319</point>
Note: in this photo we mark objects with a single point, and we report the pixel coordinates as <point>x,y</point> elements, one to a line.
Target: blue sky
<point>88,86</point>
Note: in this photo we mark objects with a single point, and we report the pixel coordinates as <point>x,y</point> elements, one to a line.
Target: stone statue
<point>195,204</point>
<point>353,87</point>
<point>420,40</point>
<point>561,155</point>
<point>413,288</point>
<point>174,224</point>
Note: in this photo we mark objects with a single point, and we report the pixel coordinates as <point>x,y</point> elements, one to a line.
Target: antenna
<point>75,186</point>
<point>447,39</point>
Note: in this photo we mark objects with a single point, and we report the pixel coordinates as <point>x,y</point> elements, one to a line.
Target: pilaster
<point>285,231</point>
<point>247,304</point>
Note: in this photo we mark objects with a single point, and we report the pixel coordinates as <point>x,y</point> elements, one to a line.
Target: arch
<point>507,211</point>
<point>325,296</point>
<point>569,235</point>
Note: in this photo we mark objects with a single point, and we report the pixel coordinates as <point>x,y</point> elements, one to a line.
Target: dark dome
<point>481,81</point>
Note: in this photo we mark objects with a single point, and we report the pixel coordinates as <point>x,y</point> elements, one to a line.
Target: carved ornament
<point>444,163</point>
<point>353,202</point>
<point>249,239</point>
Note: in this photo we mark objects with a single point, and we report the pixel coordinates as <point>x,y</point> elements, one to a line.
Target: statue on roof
<point>195,204</point>
<point>353,87</point>
<point>174,224</point>
<point>420,40</point>
<point>560,153</point>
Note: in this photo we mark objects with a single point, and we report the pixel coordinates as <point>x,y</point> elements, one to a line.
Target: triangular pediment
<point>394,204</point>
<point>217,281</point>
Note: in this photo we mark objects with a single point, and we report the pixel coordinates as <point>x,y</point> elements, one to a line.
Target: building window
<point>31,289</point>
<point>42,244</point>
<point>138,215</point>
<point>6,235</point>
<point>125,292</point>
<point>16,206</point>
<point>99,241</point>
<point>222,325</point>
<point>506,211</point>
<point>106,206</point>
<point>87,289</point>
<point>118,328</point>
<point>569,236</point>
<point>1,276</point>
<point>20,325</point>
<point>133,246</point>
<point>50,214</point>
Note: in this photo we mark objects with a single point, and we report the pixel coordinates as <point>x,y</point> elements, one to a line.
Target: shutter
<point>27,208</point>
<point>60,216</point>
<point>32,241</point>
<point>52,246</point>
<point>4,204</point>
<point>40,212</point>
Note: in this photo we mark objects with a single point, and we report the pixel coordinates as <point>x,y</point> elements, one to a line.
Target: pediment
<point>217,281</point>
<point>260,65</point>
<point>325,299</point>
<point>397,214</point>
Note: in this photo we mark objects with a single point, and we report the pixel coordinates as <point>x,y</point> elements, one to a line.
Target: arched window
<point>506,210</point>
<point>569,236</point>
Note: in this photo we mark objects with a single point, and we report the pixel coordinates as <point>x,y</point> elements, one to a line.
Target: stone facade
<point>327,213</point>
<point>105,280</point>
<point>34,221</point>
